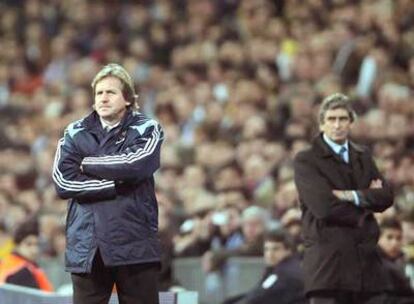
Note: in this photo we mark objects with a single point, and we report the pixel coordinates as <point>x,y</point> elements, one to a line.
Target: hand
<point>343,195</point>
<point>376,184</point>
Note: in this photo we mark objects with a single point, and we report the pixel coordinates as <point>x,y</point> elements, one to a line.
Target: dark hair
<point>280,236</point>
<point>26,228</point>
<point>390,223</point>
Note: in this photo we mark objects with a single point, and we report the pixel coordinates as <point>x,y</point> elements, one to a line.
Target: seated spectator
<point>407,224</point>
<point>291,222</point>
<point>195,234</point>
<point>390,244</point>
<point>282,281</point>
<point>19,267</point>
<point>229,234</point>
<point>254,220</point>
<point>6,242</point>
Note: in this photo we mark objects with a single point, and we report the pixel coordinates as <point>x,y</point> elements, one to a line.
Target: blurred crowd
<point>236,85</point>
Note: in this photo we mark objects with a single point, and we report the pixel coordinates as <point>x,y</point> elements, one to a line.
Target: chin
<point>339,139</point>
<point>105,115</point>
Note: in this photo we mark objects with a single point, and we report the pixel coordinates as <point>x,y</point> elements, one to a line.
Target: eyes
<point>393,238</point>
<point>341,119</point>
<point>109,92</point>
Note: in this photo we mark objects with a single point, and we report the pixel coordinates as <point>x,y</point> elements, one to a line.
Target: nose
<point>394,243</point>
<point>103,97</point>
<point>337,123</point>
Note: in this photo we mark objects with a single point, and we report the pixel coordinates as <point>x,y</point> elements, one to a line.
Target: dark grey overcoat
<point>340,238</point>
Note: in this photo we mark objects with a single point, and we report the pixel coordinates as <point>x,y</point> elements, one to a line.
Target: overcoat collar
<point>323,150</point>
<point>355,166</point>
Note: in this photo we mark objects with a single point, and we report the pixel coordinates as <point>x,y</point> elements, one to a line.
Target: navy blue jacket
<point>108,179</point>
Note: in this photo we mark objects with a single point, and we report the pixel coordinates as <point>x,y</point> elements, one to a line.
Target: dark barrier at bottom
<point>12,294</point>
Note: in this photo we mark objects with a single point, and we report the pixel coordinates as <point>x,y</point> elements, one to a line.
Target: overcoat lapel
<point>357,163</point>
<point>331,164</point>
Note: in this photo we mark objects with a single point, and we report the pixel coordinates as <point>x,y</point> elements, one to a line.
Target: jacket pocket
<point>149,203</point>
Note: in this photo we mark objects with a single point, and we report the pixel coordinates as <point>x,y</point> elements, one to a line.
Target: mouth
<point>339,133</point>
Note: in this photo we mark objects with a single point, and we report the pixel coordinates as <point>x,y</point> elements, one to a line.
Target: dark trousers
<point>135,284</point>
<point>345,297</point>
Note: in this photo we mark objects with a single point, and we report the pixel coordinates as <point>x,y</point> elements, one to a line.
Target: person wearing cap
<point>340,188</point>
<point>104,165</point>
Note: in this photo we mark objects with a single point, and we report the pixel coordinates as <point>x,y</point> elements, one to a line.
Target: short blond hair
<point>118,71</point>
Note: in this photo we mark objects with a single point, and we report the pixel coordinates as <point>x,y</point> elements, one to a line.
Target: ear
<point>321,127</point>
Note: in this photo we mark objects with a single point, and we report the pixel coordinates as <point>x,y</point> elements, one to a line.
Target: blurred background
<point>236,85</point>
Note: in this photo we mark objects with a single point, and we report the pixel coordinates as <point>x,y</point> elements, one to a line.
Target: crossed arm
<point>333,205</point>
<point>95,178</point>
<point>352,196</point>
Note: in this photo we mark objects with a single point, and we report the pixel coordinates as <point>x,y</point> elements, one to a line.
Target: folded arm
<point>377,197</point>
<point>137,162</point>
<point>316,194</point>
<point>70,181</point>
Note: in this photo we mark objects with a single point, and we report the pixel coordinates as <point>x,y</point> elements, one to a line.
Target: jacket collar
<point>92,122</point>
<point>324,150</point>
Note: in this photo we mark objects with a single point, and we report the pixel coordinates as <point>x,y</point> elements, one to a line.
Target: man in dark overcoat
<point>340,188</point>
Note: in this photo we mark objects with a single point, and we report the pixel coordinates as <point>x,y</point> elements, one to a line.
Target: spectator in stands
<point>197,230</point>
<point>390,244</point>
<point>339,189</point>
<point>282,281</point>
<point>407,223</point>
<point>6,241</point>
<point>291,222</point>
<point>105,164</point>
<point>228,221</point>
<point>254,222</point>
<point>19,267</point>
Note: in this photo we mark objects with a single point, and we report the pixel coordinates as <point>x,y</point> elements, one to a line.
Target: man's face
<point>109,100</point>
<point>252,229</point>
<point>274,252</point>
<point>336,125</point>
<point>390,242</point>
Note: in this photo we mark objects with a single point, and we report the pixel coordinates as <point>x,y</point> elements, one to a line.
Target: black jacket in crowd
<point>400,290</point>
<point>281,284</point>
